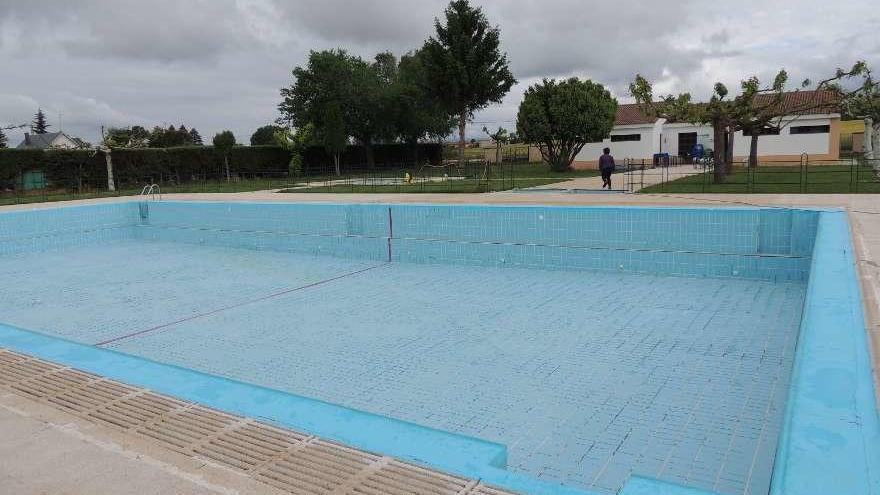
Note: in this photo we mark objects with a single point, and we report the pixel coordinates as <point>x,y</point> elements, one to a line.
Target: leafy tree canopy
<point>560,117</point>
<point>171,137</point>
<point>464,63</point>
<point>224,141</point>
<point>265,135</point>
<point>417,112</point>
<point>127,137</point>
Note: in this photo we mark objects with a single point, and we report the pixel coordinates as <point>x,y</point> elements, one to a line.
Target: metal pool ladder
<point>151,192</point>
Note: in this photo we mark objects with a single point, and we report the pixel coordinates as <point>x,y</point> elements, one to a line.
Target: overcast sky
<point>219,64</point>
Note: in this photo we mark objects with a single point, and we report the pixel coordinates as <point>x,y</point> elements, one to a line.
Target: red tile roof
<point>630,113</point>
<point>808,102</point>
<point>793,103</point>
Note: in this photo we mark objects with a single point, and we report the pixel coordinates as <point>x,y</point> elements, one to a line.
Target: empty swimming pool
<point>594,343</point>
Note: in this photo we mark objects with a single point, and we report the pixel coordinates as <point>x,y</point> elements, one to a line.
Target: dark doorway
<point>686,143</point>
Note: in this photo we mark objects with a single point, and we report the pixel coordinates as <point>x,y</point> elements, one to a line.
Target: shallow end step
<point>359,429</point>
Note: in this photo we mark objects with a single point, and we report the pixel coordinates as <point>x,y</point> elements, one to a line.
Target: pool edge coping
<point>832,356</point>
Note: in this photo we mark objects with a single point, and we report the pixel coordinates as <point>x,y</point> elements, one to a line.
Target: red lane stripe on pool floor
<point>233,306</point>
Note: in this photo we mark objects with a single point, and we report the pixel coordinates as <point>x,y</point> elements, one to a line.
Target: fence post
<point>805,163</point>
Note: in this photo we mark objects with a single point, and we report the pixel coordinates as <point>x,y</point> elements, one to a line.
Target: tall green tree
<point>364,109</point>
<point>40,125</point>
<point>121,137</point>
<point>465,65</point>
<point>324,84</point>
<point>332,134</point>
<point>265,135</point>
<point>499,137</point>
<point>296,143</point>
<point>126,137</point>
<point>224,142</point>
<point>171,137</point>
<point>417,112</point>
<point>195,137</point>
<point>3,140</point>
<point>560,117</point>
<point>334,80</point>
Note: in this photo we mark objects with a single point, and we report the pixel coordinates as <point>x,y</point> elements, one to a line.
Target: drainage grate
<point>285,459</point>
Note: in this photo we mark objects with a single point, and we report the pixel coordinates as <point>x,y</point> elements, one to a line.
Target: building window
<point>767,131</point>
<point>810,129</point>
<point>615,138</point>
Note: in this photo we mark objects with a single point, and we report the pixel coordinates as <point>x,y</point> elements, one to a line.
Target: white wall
<point>663,136</point>
<point>786,143</point>
<point>644,148</point>
<point>783,144</point>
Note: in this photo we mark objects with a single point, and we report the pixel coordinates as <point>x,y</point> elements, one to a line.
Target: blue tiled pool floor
<point>586,377</point>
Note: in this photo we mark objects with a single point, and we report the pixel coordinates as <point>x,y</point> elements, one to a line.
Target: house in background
<point>639,137</point>
<point>36,178</point>
<point>57,140</point>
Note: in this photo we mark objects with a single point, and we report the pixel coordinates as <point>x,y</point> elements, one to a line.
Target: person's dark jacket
<point>606,162</point>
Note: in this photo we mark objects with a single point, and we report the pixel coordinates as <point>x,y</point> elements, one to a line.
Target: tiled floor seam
<point>209,428</point>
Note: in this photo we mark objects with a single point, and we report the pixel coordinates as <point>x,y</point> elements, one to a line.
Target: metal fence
<point>449,176</point>
<point>472,175</point>
<point>88,188</point>
<point>845,176</point>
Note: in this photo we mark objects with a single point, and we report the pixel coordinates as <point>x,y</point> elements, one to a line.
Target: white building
<point>637,136</point>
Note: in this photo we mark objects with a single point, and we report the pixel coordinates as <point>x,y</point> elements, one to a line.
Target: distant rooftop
<point>49,139</point>
<point>793,103</point>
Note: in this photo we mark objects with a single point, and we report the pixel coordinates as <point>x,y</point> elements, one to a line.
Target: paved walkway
<point>67,431</point>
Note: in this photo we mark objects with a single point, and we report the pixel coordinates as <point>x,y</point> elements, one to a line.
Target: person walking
<point>606,167</point>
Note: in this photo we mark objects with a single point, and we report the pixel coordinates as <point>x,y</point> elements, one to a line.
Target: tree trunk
<point>870,145</point>
<point>753,149</point>
<point>728,151</point>
<point>111,184</point>
<point>462,122</point>
<point>368,150</point>
<point>336,163</point>
<point>719,154</point>
<point>415,152</point>
<point>226,164</point>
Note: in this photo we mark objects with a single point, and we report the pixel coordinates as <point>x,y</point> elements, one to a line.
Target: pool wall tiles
<point>671,241</point>
<point>695,242</point>
<point>349,231</point>
<point>738,231</point>
<point>59,228</point>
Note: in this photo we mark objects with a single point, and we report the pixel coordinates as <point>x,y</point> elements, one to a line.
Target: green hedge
<point>76,169</point>
<point>133,167</point>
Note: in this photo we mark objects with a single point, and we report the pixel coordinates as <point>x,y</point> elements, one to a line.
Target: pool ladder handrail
<point>152,192</point>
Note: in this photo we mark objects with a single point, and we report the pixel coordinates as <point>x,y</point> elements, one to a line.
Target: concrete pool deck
<point>861,209</point>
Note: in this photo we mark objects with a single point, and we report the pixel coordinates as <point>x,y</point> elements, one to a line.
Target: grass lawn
<point>517,175</point>
<point>840,179</point>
